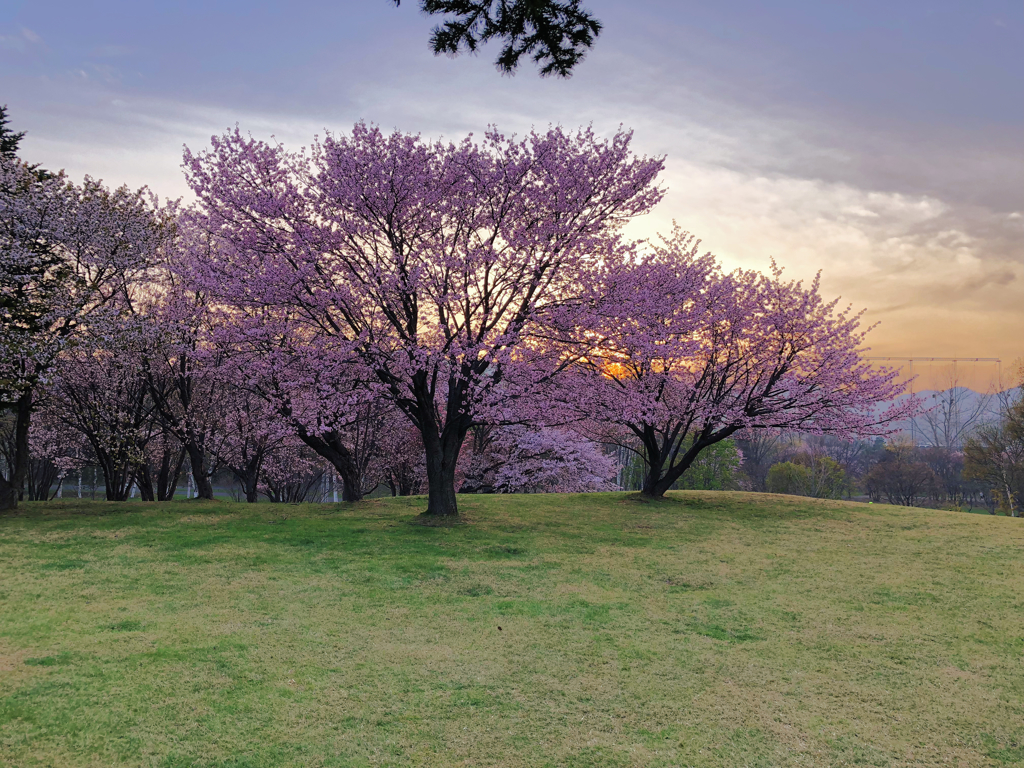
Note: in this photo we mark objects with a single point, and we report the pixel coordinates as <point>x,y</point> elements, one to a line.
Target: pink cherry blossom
<point>414,268</point>
<point>681,355</point>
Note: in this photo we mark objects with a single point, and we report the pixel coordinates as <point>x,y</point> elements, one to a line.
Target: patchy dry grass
<point>709,630</point>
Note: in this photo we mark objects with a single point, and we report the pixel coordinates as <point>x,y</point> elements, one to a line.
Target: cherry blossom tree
<point>309,384</point>
<point>521,459</point>
<point>176,358</point>
<point>418,267</point>
<point>290,474</point>
<point>400,465</point>
<point>103,395</point>
<point>684,356</point>
<point>55,448</point>
<point>250,435</point>
<point>187,399</point>
<point>65,252</point>
<point>163,458</point>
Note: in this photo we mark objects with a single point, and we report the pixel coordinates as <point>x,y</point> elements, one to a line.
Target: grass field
<point>711,629</point>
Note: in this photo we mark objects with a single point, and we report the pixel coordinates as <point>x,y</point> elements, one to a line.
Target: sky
<point>880,143</point>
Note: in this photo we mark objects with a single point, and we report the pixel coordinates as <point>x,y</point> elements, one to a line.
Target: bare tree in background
<point>856,457</point>
<point>900,477</point>
<point>953,413</point>
<point>994,454</point>
<point>761,448</point>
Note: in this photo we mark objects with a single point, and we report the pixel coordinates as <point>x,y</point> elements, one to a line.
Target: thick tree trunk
<point>660,478</point>
<point>351,484</point>
<point>441,446</point>
<point>653,486</point>
<point>442,457</point>
<point>655,489</point>
<point>248,478</point>
<point>197,459</point>
<point>658,481</point>
<point>441,496</point>
<point>12,488</point>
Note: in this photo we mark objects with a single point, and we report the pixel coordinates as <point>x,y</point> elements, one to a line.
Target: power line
<point>941,359</point>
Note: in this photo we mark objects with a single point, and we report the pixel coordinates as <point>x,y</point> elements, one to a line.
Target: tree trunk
<point>1010,496</point>
<point>197,460</point>
<point>12,488</point>
<point>441,497</point>
<point>351,483</point>
<point>19,472</point>
<point>659,478</point>
<point>167,479</point>
<point>117,475</point>
<point>442,456</point>
<point>35,481</point>
<point>655,485</point>
<point>8,495</point>
<point>41,477</point>
<point>330,446</point>
<point>248,478</point>
<point>144,479</point>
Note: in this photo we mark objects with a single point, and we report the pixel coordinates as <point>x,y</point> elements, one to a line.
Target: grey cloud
<point>910,217</point>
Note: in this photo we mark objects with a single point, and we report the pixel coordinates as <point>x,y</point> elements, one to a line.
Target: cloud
<point>22,41</point>
<point>928,268</point>
<point>919,223</point>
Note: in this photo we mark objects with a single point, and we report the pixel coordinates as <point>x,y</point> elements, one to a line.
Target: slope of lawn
<point>710,629</point>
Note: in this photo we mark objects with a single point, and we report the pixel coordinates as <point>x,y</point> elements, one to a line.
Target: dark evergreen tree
<point>556,35</point>
<point>9,139</point>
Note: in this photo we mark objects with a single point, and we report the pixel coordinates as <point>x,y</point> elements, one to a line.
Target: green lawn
<point>711,629</point>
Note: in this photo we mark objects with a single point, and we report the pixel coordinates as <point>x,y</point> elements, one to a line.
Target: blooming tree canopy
<point>66,252</point>
<point>328,304</point>
<point>683,356</point>
<point>521,459</point>
<point>417,266</point>
<point>103,396</point>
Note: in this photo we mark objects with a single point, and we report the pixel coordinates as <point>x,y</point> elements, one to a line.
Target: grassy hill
<point>711,629</point>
